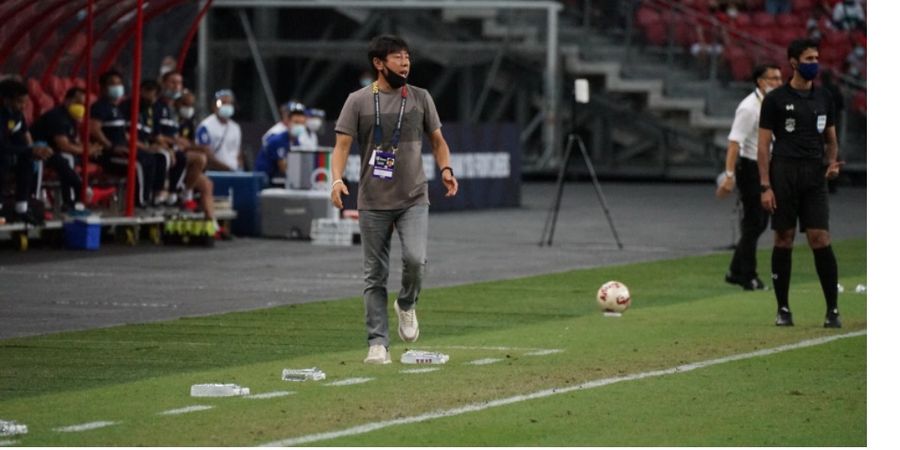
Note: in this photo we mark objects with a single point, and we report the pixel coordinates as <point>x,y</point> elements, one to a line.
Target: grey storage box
<point>302,173</point>
<point>288,213</point>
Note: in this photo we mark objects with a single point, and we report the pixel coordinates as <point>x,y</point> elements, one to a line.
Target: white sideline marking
<point>549,351</point>
<point>441,413</point>
<point>85,427</point>
<point>484,361</point>
<point>185,410</point>
<point>349,381</point>
<point>8,443</point>
<point>273,394</point>
<point>422,370</point>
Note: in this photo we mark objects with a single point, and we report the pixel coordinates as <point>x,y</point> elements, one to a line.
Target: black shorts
<point>801,192</point>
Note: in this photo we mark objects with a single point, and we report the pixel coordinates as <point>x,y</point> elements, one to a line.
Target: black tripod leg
<point>596,182</point>
<point>553,213</point>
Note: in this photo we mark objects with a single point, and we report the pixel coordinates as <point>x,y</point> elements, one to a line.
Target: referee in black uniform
<point>793,181</point>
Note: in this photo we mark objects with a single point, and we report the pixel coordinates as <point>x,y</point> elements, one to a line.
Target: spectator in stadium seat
<point>776,7</point>
<point>109,128</point>
<point>17,152</point>
<point>187,172</point>
<point>800,118</point>
<point>849,15</point>
<point>59,128</point>
<point>710,41</point>
<point>393,191</point>
<point>222,134</point>
<point>741,169</point>
<point>855,63</point>
<point>272,158</point>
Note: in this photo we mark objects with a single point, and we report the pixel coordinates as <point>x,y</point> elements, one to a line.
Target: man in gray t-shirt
<point>389,119</point>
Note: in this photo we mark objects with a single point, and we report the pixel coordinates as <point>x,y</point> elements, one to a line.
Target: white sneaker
<point>408,326</point>
<point>378,354</point>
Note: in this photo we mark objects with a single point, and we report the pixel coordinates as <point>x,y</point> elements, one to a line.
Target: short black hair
<point>74,92</point>
<point>383,45</point>
<point>107,76</point>
<point>168,74</point>
<point>761,70</point>
<point>295,112</point>
<point>12,88</point>
<point>150,85</point>
<point>798,46</point>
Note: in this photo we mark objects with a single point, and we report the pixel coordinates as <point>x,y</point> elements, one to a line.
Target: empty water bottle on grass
<point>12,428</point>
<point>423,357</point>
<point>311,374</point>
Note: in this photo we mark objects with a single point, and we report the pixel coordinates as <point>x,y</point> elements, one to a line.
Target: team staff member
<point>17,151</point>
<point>58,127</point>
<point>109,128</point>
<point>389,119</point>
<point>272,159</point>
<point>742,141</point>
<point>793,181</point>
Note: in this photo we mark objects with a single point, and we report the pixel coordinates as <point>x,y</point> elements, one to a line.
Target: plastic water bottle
<point>311,374</point>
<point>218,390</point>
<point>12,428</point>
<point>860,289</point>
<point>423,357</point>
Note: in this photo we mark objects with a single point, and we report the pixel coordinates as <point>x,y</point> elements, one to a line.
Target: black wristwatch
<point>447,168</point>
<point>764,188</point>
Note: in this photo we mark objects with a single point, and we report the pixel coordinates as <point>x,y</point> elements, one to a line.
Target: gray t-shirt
<point>409,186</point>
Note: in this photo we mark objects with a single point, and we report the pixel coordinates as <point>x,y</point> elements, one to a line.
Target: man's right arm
<point>338,164</point>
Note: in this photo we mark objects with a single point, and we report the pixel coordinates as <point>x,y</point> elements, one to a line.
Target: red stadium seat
<point>803,6</point>
<point>790,21</point>
<point>56,88</point>
<point>739,63</point>
<point>29,111</point>
<point>859,102</point>
<point>763,19</point>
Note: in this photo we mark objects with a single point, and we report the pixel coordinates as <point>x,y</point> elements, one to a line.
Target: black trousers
<point>753,220</point>
<point>20,165</point>
<point>69,181</point>
<point>150,173</point>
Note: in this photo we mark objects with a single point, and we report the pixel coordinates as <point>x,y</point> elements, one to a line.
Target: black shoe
<point>753,284</point>
<point>833,319</point>
<point>730,279</point>
<point>784,318</point>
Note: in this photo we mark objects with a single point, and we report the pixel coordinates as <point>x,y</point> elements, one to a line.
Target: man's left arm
<point>442,157</point>
<point>831,153</point>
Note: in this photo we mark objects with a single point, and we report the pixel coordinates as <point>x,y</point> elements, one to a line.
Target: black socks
<point>826,268</point>
<point>781,275</point>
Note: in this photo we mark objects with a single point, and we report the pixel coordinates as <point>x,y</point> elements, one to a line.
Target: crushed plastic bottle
<point>423,357</point>
<point>860,289</point>
<point>12,428</point>
<point>311,374</point>
<point>840,288</point>
<point>218,390</point>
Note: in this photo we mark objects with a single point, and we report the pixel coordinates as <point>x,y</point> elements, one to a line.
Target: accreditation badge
<point>820,122</point>
<point>383,165</point>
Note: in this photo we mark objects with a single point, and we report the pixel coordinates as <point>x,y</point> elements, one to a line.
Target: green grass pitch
<point>682,313</point>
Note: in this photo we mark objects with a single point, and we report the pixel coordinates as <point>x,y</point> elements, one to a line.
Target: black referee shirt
<point>798,120</point>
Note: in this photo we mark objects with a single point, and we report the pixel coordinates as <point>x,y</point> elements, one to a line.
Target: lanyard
<point>395,138</point>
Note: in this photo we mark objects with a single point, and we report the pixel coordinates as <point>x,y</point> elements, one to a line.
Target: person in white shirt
<point>222,135</point>
<point>849,15</point>
<point>741,166</point>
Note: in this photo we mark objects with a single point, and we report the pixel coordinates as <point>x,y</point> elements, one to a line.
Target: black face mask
<point>394,79</point>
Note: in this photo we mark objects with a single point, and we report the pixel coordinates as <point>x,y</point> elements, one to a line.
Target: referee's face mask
<point>808,64</point>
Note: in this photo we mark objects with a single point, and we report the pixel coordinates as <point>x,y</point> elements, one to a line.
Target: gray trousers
<point>376,229</point>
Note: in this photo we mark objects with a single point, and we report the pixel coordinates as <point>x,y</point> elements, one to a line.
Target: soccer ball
<point>613,296</point>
